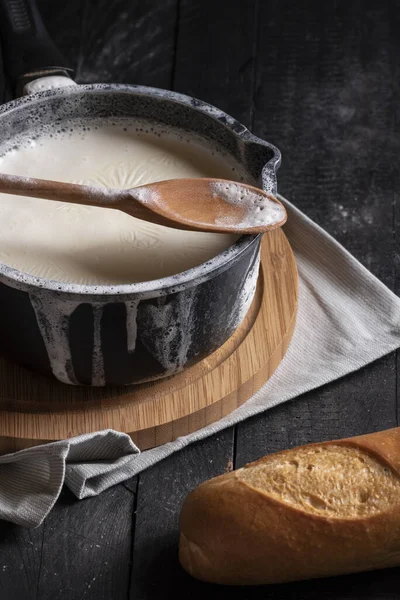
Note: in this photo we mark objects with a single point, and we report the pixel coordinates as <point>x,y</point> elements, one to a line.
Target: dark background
<point>321,81</point>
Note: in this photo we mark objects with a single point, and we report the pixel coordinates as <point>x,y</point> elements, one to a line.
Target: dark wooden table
<point>321,81</point>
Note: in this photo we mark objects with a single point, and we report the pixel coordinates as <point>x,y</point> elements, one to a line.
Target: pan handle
<point>28,51</point>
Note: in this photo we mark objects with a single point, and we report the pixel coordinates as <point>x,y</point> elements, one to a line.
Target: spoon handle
<point>85,195</point>
<point>59,191</point>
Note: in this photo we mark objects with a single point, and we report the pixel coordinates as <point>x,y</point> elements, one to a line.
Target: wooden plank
<point>83,550</point>
<point>345,185</point>
<point>325,97</point>
<point>64,22</point>
<point>327,102</point>
<point>5,93</point>
<point>20,549</point>
<point>208,65</point>
<point>393,43</point>
<point>20,558</point>
<point>128,42</point>
<point>86,547</point>
<point>215,54</point>
<point>156,573</point>
<point>375,585</point>
<point>343,408</point>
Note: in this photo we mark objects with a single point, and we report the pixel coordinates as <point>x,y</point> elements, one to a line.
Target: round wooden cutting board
<point>35,409</point>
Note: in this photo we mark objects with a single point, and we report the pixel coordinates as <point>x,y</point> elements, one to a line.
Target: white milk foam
<point>260,211</point>
<point>94,246</point>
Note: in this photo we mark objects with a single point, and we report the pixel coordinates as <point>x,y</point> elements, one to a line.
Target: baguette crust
<point>233,533</point>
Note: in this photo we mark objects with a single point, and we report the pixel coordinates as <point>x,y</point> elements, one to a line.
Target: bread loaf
<point>313,511</point>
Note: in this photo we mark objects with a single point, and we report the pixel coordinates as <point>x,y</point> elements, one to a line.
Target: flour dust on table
<point>93,246</point>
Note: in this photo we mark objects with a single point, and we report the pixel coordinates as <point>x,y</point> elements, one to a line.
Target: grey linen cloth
<point>346,319</point>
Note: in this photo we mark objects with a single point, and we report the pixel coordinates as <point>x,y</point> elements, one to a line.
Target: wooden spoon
<point>191,204</point>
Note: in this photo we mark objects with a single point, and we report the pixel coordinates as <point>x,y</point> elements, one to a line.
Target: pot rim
<point>172,283</point>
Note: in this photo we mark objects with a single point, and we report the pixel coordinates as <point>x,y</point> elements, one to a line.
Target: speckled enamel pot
<point>92,335</point>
